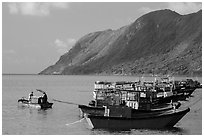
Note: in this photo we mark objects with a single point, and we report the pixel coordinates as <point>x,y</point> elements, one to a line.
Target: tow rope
<point>72,103</point>
<point>74,122</point>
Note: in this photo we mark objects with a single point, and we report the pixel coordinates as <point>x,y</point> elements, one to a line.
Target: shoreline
<point>136,75</point>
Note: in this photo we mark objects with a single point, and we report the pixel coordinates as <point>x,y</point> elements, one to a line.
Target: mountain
<point>160,42</point>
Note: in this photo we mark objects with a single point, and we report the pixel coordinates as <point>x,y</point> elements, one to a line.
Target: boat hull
<point>179,95</point>
<point>36,105</point>
<point>99,111</point>
<point>91,110</point>
<point>167,119</point>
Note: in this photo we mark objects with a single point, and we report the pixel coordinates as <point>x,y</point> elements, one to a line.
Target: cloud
<point>179,7</point>
<point>35,8</point>
<point>64,46</point>
<point>185,7</point>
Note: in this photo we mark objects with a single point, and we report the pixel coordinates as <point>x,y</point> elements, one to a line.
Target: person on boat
<point>39,100</point>
<point>133,86</point>
<point>44,98</point>
<point>30,97</point>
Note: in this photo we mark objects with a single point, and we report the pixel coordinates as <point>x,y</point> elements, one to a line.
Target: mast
<point>96,99</point>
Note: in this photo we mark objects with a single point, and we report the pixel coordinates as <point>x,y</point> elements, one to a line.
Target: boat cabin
<point>122,94</point>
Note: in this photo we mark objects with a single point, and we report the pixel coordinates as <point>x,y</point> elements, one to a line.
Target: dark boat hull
<point>187,91</point>
<point>166,119</point>
<point>91,110</point>
<point>173,98</point>
<point>179,95</point>
<point>99,111</point>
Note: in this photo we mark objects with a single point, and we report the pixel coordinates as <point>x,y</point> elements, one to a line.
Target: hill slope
<point>160,42</point>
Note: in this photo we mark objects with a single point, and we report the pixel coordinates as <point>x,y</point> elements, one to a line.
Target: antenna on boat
<point>142,79</point>
<point>122,70</point>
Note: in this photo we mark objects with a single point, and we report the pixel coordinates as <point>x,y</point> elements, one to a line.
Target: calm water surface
<point>18,120</point>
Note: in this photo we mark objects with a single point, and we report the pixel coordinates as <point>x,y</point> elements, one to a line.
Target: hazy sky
<point>35,35</point>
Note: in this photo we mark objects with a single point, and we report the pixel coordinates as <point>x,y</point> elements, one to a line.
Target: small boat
<point>121,119</point>
<point>36,102</point>
<point>24,102</point>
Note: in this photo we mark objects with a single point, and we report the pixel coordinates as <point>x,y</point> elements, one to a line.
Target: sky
<point>36,34</point>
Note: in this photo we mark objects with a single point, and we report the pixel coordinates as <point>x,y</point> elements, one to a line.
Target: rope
<point>72,103</point>
<point>74,122</point>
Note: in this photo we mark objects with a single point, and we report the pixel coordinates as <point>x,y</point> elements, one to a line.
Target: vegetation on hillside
<point>160,42</point>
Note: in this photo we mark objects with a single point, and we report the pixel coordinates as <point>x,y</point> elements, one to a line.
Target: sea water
<point>64,119</point>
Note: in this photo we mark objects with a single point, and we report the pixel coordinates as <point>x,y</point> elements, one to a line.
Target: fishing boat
<point>140,98</point>
<point>92,110</point>
<point>35,102</point>
<point>24,102</point>
<point>127,105</point>
<point>185,87</point>
<point>163,91</point>
<point>121,118</point>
